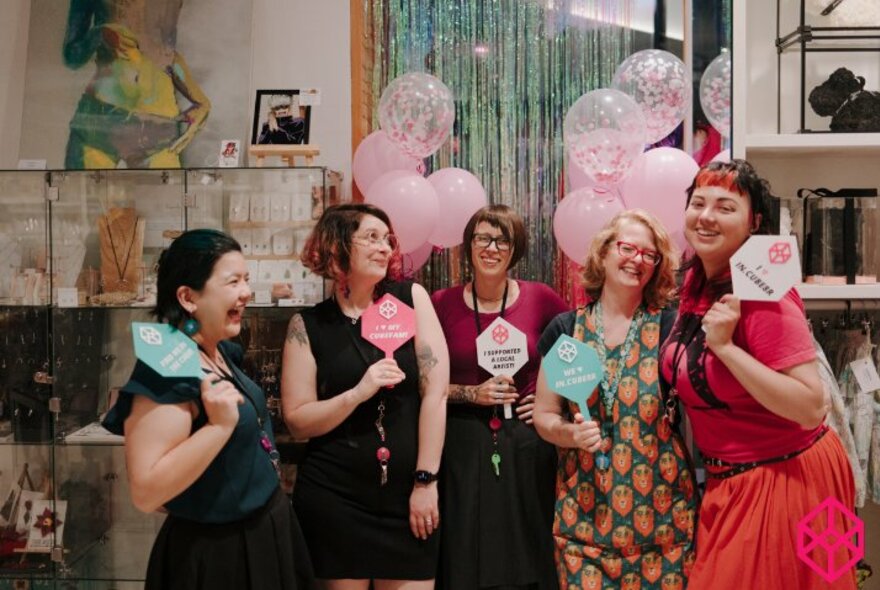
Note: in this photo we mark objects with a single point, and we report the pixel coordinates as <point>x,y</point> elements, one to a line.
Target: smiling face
<point>490,260</point>
<point>370,250</point>
<point>623,267</point>
<point>716,223</point>
<point>220,304</point>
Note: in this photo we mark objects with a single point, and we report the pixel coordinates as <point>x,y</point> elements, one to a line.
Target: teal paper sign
<point>572,370</point>
<point>166,350</point>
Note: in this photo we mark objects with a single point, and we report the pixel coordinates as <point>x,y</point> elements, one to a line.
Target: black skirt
<point>497,531</point>
<point>264,551</point>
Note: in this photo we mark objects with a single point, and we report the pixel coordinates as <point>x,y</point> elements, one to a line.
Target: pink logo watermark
<point>780,252</point>
<point>818,549</point>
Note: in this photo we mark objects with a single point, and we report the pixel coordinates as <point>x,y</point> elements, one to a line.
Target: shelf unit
<point>60,364</point>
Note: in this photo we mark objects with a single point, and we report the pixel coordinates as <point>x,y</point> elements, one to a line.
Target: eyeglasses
<point>485,240</point>
<point>627,250</point>
<point>374,240</point>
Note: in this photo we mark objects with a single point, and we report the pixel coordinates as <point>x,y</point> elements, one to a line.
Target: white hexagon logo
<point>150,335</point>
<point>567,352</point>
<point>388,310</point>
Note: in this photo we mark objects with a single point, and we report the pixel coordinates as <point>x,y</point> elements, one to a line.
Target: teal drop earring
<point>190,326</point>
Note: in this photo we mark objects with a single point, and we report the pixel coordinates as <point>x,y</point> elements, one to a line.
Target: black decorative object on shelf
<point>859,113</point>
<point>843,98</point>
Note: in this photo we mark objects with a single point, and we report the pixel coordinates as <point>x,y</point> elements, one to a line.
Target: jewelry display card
<point>48,528</point>
<point>282,243</point>
<point>260,208</point>
<point>245,238</point>
<point>239,207</point>
<point>261,242</point>
<point>280,203</point>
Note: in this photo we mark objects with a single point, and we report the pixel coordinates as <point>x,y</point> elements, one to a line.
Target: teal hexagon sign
<point>166,350</point>
<point>573,370</point>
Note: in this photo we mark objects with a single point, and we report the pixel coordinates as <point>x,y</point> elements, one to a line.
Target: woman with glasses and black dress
<point>366,493</point>
<point>497,479</point>
<point>625,492</point>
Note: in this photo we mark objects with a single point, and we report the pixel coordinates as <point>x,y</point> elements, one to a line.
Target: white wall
<point>296,44</point>
<point>304,44</point>
<point>13,54</point>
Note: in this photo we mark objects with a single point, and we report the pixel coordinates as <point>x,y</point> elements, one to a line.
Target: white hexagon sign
<point>502,349</point>
<point>765,268</point>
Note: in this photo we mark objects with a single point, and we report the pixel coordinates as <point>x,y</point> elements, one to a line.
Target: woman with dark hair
<point>497,485</point>
<point>625,489</point>
<point>366,492</point>
<point>746,374</point>
<point>204,449</point>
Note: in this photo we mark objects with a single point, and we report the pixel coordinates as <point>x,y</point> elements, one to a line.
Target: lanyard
<point>477,312</point>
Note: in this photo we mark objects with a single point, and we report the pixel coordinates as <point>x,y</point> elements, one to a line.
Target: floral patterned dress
<point>630,526</point>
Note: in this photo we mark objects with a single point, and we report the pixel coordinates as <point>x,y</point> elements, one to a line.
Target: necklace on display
<point>608,385</point>
<point>121,270</point>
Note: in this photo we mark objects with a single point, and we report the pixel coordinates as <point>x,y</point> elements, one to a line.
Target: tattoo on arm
<point>462,394</point>
<point>296,331</point>
<point>426,361</point>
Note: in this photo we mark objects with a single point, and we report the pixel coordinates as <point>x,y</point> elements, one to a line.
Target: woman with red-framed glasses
<point>626,495</point>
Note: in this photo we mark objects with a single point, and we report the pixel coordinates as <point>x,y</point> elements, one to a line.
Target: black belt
<point>737,468</point>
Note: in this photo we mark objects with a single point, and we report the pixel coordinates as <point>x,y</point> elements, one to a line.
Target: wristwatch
<point>424,477</point>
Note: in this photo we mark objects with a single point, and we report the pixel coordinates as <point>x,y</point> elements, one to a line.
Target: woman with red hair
<point>367,491</point>
<point>746,374</point>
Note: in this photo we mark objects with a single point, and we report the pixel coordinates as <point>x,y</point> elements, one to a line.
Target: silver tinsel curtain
<point>515,67</point>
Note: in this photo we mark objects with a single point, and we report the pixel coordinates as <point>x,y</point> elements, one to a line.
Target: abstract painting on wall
<point>135,83</point>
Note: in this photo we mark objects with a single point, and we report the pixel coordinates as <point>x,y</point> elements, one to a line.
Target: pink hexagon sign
<point>828,551</point>
<point>388,324</point>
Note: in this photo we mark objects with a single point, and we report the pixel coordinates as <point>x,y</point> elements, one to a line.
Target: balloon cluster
<point>416,114</point>
<point>605,133</point>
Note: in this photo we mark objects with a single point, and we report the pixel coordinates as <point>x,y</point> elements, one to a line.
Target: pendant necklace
<point>265,441</point>
<point>383,453</point>
<point>120,271</point>
<point>608,385</point>
<point>494,421</point>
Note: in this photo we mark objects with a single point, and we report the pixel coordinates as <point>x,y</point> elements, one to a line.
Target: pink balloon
<point>376,155</point>
<point>722,156</point>
<point>460,194</point>
<point>410,202</point>
<point>579,217</point>
<point>659,183</point>
<point>416,259</point>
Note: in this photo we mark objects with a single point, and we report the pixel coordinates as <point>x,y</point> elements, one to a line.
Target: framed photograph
<point>280,118</point>
<point>230,150</point>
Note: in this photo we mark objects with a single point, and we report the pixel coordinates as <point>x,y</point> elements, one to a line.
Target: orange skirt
<point>747,535</point>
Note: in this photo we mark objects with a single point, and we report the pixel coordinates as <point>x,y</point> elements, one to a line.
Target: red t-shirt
<point>728,423</point>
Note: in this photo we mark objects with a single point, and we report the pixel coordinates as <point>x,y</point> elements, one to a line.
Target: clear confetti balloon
<point>604,133</point>
<point>416,111</point>
<point>715,93</point>
<point>661,85</point>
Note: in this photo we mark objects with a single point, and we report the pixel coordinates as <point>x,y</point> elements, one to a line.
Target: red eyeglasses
<point>628,250</point>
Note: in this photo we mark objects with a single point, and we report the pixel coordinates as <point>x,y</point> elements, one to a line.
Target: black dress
<point>355,527</point>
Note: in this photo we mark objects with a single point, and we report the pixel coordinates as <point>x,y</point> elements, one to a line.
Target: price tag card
<point>68,297</point>
<point>502,349</point>
<point>765,268</point>
<point>573,370</point>
<point>166,350</point>
<point>866,375</point>
<point>388,324</point>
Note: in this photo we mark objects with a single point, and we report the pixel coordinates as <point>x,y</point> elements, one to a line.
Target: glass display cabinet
<point>79,252</point>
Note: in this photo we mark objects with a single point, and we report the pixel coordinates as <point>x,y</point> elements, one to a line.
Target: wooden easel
<point>287,153</point>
